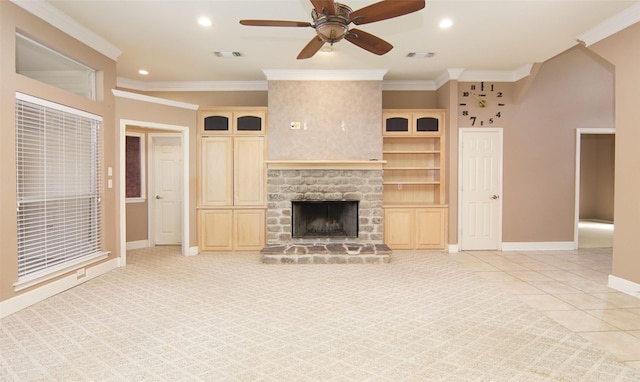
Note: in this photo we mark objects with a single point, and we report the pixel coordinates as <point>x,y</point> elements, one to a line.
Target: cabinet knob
<point>158,197</point>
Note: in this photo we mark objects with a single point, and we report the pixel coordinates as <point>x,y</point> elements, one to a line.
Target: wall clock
<point>481,104</point>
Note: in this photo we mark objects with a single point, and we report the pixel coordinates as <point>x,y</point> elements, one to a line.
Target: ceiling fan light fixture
<point>332,31</point>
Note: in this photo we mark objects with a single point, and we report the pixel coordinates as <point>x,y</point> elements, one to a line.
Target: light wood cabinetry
<point>231,179</point>
<point>414,179</point>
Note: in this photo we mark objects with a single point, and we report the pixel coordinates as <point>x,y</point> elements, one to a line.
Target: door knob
<point>494,197</point>
<point>158,197</point>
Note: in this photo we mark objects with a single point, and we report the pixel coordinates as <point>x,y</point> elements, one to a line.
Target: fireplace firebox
<point>313,219</point>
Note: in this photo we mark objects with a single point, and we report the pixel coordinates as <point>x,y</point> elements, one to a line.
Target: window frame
<point>57,237</point>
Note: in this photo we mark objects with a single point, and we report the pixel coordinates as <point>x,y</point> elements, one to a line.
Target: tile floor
<point>571,288</point>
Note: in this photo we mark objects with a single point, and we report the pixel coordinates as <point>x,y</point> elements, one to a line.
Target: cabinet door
<point>249,171</point>
<point>396,123</point>
<point>215,123</point>
<point>249,122</point>
<point>427,122</point>
<point>431,228</point>
<point>399,228</point>
<point>215,230</point>
<point>249,229</point>
<point>216,171</point>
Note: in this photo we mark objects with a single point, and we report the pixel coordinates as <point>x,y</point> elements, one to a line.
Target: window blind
<point>58,164</point>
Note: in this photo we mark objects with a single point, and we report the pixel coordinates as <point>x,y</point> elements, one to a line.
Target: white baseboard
<point>539,246</point>
<point>137,244</point>
<point>453,248</point>
<point>625,286</point>
<point>26,299</point>
<point>193,251</point>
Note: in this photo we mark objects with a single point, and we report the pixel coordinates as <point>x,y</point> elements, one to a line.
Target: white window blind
<point>58,187</point>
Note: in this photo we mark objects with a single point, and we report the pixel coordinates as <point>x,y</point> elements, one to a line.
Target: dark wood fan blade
<point>275,23</point>
<point>324,7</point>
<point>311,48</point>
<point>368,42</point>
<point>385,9</point>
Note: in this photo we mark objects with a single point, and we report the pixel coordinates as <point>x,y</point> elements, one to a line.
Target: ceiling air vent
<point>228,54</point>
<point>420,54</point>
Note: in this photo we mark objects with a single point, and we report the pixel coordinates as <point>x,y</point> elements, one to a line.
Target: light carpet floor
<point>422,317</point>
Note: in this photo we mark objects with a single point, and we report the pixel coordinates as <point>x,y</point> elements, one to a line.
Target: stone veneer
<point>283,186</point>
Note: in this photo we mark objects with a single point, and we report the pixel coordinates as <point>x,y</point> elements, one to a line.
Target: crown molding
<point>496,75</point>
<point>156,100</point>
<point>55,17</point>
<point>197,86</point>
<point>325,75</point>
<point>409,85</point>
<point>611,25</point>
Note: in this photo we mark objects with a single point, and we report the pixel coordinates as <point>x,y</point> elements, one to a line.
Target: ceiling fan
<point>331,21</point>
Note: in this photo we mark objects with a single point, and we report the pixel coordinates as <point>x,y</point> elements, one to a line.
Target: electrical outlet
<point>80,273</point>
<point>295,125</point>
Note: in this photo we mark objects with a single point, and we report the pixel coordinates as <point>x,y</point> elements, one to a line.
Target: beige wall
<point>570,91</point>
<point>597,178</point>
<point>620,50</point>
<point>13,18</point>
<point>343,120</point>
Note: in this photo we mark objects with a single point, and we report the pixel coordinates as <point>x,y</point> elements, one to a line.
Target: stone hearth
<point>326,253</point>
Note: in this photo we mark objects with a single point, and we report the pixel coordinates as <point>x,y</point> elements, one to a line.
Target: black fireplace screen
<point>324,219</point>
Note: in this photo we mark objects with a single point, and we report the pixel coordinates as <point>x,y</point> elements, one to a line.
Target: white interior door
<point>480,189</point>
<point>167,190</point>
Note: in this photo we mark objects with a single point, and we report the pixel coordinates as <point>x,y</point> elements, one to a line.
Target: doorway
<point>153,127</point>
<point>480,189</point>
<point>594,188</point>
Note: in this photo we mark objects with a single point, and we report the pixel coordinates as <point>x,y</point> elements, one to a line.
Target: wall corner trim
<point>161,101</point>
<point>623,285</point>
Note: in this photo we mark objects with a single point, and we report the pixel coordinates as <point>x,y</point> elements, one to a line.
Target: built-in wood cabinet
<point>231,229</point>
<point>231,179</point>
<point>414,179</point>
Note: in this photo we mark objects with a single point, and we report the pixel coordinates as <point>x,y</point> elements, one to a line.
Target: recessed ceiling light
<point>445,23</point>
<point>143,72</point>
<point>204,21</point>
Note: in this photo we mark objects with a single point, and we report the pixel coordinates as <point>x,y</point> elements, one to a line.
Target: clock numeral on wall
<point>499,94</point>
<point>498,115</point>
<point>465,113</point>
<point>472,87</point>
<point>490,121</point>
<point>465,94</point>
<point>473,121</point>
<point>500,104</point>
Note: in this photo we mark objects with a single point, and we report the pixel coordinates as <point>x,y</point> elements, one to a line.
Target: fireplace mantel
<point>325,164</point>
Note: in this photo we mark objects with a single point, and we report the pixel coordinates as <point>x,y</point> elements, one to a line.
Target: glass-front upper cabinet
<point>236,122</point>
<point>412,122</point>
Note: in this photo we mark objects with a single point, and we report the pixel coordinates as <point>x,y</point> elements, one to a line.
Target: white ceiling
<point>164,37</point>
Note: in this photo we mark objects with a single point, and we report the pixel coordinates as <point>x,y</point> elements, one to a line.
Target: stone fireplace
<point>324,219</point>
<point>346,190</point>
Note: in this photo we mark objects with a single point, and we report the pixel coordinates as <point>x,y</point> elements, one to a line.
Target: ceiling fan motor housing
<point>332,28</point>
